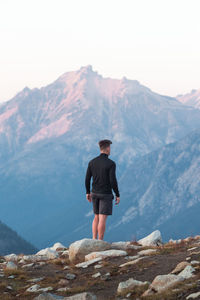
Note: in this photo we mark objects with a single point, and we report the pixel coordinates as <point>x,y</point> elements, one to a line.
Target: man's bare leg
<point>102,226</point>
<point>95,226</point>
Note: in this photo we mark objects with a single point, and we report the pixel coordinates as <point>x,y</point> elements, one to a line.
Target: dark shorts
<point>102,203</point>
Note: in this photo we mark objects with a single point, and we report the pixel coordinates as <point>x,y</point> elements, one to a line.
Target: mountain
<point>11,242</point>
<point>48,135</point>
<point>191,99</point>
<point>162,191</point>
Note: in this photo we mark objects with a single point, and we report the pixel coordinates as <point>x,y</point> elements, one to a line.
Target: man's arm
<point>113,179</point>
<point>87,179</point>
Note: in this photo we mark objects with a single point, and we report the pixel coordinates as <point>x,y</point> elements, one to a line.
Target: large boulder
<point>162,283</point>
<point>79,249</point>
<point>153,239</point>
<point>129,285</point>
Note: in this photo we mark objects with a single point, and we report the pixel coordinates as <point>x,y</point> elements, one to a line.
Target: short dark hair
<point>104,144</point>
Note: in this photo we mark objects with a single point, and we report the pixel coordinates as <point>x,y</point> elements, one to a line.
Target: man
<point>102,169</point>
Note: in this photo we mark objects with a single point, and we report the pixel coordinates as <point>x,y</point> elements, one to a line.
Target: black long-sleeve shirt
<point>102,169</point>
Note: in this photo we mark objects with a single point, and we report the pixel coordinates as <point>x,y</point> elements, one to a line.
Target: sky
<point>153,41</point>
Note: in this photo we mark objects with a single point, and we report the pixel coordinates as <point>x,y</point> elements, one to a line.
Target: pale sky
<point>156,42</point>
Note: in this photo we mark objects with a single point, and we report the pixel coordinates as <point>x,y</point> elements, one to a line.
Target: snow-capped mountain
<point>191,99</point>
<point>48,135</point>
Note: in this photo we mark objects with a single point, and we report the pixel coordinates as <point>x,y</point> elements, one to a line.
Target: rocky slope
<point>48,135</point>
<point>11,241</point>
<point>93,269</point>
<point>190,99</point>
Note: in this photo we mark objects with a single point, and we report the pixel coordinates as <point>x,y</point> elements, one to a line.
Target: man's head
<point>104,146</point>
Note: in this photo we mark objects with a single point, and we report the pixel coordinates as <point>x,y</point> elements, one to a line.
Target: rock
<point>11,257</point>
<point>180,267</point>
<point>195,262</point>
<point>49,288</point>
<point>98,266</point>
<point>85,264</point>
<point>57,246</point>
<point>106,253</point>
<point>48,296</point>
<point>187,272</point>
<point>193,296</point>
<point>161,283</point>
<point>124,246</point>
<point>132,257</point>
<point>132,262</point>
<point>63,282</point>
<point>28,265</point>
<point>48,252</point>
<point>188,258</point>
<point>147,252</point>
<point>34,288</point>
<point>63,289</point>
<point>36,279</point>
<point>65,252</point>
<point>191,249</point>
<point>153,239</point>
<point>82,296</point>
<point>79,249</point>
<point>70,276</point>
<point>66,268</point>
<point>128,285</point>
<point>33,258</point>
<point>11,265</point>
<point>96,275</point>
<point>106,276</point>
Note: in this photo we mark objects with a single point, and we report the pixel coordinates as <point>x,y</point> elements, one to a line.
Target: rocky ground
<point>92,269</point>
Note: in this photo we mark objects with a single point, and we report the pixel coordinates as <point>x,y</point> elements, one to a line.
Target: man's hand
<point>88,197</point>
<point>117,200</point>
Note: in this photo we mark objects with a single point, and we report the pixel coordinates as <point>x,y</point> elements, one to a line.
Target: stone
<point>48,296</point>
<point>11,265</point>
<point>193,296</point>
<point>106,276</point>
<point>33,258</point>
<point>70,276</point>
<point>82,296</point>
<point>11,257</point>
<point>132,257</point>
<point>124,246</point>
<point>128,285</point>
<point>57,246</point>
<point>36,279</point>
<point>46,289</point>
<point>147,252</point>
<point>79,249</point>
<point>34,288</point>
<point>180,267</point>
<point>85,264</point>
<point>132,262</point>
<point>98,266</point>
<point>188,258</point>
<point>106,253</point>
<point>195,262</point>
<point>191,249</point>
<point>63,282</point>
<point>96,275</point>
<point>162,282</point>
<point>187,272</point>
<point>28,265</point>
<point>153,239</point>
<point>48,252</point>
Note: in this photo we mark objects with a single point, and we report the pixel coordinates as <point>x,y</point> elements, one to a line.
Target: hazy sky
<point>154,41</point>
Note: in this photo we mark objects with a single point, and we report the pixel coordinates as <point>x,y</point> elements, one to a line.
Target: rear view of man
<point>103,171</point>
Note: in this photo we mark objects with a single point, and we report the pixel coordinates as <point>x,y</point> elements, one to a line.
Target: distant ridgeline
<point>11,242</point>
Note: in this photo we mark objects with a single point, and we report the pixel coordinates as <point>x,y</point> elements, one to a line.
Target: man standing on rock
<point>102,169</point>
